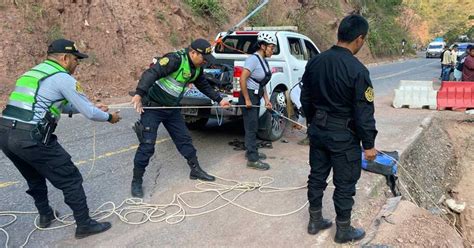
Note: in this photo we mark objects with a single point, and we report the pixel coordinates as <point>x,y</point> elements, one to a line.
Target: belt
<point>339,122</point>
<point>14,124</point>
<point>151,103</point>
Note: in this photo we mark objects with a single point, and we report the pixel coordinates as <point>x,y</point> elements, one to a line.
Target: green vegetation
<point>174,39</point>
<point>446,18</point>
<point>385,33</point>
<point>209,8</point>
<point>259,19</point>
<point>37,10</point>
<point>327,4</point>
<point>159,15</point>
<point>55,33</point>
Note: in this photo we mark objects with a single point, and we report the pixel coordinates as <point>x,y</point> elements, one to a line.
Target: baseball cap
<point>203,47</point>
<point>65,46</point>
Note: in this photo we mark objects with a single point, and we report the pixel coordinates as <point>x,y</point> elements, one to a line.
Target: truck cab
<point>287,65</point>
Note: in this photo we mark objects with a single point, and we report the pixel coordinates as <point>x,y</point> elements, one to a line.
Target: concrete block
<point>415,94</point>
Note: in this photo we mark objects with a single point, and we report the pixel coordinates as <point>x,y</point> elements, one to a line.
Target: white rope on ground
<point>175,211</point>
<point>158,212</point>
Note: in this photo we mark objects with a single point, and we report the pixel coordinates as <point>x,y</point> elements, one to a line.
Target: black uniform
<point>337,98</point>
<point>171,118</point>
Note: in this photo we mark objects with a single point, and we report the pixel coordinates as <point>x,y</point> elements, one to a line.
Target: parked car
<point>287,64</point>
<point>462,47</point>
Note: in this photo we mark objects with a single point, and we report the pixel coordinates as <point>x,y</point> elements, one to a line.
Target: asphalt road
<point>107,178</point>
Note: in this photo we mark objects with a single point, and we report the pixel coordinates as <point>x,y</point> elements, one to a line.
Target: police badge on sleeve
<point>369,94</point>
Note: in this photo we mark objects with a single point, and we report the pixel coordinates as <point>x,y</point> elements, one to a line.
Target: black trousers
<point>339,149</point>
<point>174,124</point>
<point>251,125</point>
<point>38,162</point>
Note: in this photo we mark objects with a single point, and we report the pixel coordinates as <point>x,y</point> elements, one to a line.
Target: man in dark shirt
<point>338,99</point>
<point>164,84</point>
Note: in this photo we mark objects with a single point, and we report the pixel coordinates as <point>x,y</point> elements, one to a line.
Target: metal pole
<point>264,2</point>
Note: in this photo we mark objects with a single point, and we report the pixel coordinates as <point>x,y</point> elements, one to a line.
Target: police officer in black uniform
<point>338,100</point>
<point>164,84</point>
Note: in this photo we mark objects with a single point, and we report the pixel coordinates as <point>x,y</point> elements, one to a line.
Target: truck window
<point>435,47</point>
<point>311,50</point>
<point>296,50</point>
<point>238,44</point>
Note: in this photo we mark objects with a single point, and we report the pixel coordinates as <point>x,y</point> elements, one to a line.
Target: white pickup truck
<point>287,64</point>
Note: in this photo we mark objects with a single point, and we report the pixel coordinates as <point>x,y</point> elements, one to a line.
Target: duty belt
<point>340,123</point>
<point>151,103</point>
<point>14,124</point>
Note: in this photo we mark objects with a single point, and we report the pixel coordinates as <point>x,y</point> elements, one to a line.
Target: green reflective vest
<point>169,90</point>
<point>22,101</point>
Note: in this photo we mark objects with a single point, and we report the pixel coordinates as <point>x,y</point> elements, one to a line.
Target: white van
<point>435,49</point>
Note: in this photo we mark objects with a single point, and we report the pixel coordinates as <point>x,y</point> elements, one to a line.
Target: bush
<point>385,33</point>
<point>209,8</point>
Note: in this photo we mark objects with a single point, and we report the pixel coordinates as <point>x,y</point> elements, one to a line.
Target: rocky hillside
<point>121,37</point>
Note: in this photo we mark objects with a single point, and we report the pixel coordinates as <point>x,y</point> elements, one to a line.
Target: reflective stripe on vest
<point>23,98</point>
<point>175,83</point>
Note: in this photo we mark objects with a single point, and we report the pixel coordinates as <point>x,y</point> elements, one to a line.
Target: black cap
<point>203,47</point>
<point>469,47</point>
<point>65,46</point>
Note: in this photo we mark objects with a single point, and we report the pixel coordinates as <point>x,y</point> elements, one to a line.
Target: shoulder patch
<point>164,61</point>
<point>79,88</point>
<point>369,94</point>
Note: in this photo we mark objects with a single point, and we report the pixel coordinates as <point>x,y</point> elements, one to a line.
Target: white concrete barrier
<point>415,94</point>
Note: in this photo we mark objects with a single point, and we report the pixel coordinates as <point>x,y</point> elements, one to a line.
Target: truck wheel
<point>195,123</point>
<point>272,126</point>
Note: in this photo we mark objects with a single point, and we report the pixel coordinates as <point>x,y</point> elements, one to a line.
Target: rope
<point>181,107</point>
<point>220,42</point>
<point>175,211</point>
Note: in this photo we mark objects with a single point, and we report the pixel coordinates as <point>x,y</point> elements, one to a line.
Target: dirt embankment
<point>438,166</point>
<point>121,37</point>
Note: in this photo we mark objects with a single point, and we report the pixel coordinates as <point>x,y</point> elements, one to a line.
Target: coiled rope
<point>173,212</point>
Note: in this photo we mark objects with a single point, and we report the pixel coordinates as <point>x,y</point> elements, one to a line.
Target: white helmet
<point>267,37</point>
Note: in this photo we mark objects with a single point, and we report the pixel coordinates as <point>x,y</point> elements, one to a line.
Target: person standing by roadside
<point>446,48</point>
<point>255,76</point>
<point>447,64</point>
<point>26,133</point>
<point>338,100</point>
<point>468,67</point>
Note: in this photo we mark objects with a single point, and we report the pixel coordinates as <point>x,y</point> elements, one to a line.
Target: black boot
<point>45,220</point>
<point>91,227</point>
<point>197,172</point>
<point>137,181</point>
<point>317,222</point>
<point>347,233</point>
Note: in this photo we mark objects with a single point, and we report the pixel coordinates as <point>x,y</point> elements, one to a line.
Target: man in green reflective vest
<point>26,133</point>
<point>164,84</point>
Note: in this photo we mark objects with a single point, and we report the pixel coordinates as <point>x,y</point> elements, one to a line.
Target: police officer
<point>338,99</point>
<point>164,84</point>
<point>27,139</point>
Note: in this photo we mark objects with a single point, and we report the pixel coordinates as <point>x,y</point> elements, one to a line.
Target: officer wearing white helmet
<point>255,76</point>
